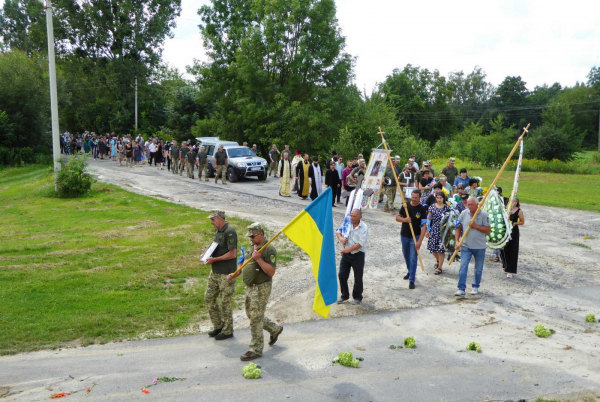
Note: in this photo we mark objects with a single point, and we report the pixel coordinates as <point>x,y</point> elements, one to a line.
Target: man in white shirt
<point>353,256</point>
<point>152,150</point>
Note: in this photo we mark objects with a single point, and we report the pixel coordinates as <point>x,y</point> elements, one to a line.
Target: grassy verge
<point>107,267</point>
<point>550,189</point>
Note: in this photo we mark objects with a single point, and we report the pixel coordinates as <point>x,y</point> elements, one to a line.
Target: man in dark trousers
<point>353,256</point>
<point>417,214</point>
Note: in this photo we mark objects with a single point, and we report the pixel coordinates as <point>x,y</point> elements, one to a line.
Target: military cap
<point>255,229</point>
<point>216,214</point>
<point>361,161</point>
<point>427,163</point>
<point>452,160</point>
<point>396,158</point>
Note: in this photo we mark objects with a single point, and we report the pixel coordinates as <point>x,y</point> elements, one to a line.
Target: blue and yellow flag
<point>312,231</point>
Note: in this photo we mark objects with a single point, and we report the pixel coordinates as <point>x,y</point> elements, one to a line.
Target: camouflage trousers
<point>390,193</point>
<point>175,165</point>
<point>221,171</point>
<point>203,168</point>
<point>190,169</point>
<point>273,168</point>
<point>257,297</point>
<point>221,315</point>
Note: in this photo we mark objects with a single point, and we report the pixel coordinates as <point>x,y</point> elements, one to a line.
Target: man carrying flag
<point>258,277</point>
<point>312,231</point>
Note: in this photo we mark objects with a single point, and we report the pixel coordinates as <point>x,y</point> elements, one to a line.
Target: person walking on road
<point>353,257</point>
<point>274,157</point>
<point>202,163</point>
<point>473,246</point>
<point>285,173</point>
<point>416,215</point>
<point>221,165</point>
<point>219,286</point>
<point>174,152</point>
<point>258,278</point>
<point>190,161</point>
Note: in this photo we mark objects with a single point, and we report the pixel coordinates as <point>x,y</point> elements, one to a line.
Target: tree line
<point>278,72</point>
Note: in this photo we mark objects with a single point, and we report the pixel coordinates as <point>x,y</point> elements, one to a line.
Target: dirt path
<point>548,260</point>
<point>549,266</point>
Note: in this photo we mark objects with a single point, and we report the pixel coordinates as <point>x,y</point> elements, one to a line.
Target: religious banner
<point>374,177</point>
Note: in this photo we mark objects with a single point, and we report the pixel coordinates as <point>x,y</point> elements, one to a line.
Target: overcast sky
<point>543,41</point>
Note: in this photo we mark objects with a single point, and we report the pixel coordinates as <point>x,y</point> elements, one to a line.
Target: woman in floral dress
<point>435,213</point>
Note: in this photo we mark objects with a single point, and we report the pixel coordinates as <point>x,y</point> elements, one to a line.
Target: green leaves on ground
<point>409,342</point>
<point>542,332</point>
<point>474,346</point>
<point>347,359</point>
<point>251,371</point>
<point>590,318</point>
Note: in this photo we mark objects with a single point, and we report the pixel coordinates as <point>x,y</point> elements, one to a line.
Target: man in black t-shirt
<point>417,214</point>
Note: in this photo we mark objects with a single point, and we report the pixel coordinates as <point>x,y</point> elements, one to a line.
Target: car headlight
<point>241,164</point>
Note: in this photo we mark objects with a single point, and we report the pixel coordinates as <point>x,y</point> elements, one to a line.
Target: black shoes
<point>222,336</point>
<point>215,332</point>
<point>411,285</point>
<point>406,276</point>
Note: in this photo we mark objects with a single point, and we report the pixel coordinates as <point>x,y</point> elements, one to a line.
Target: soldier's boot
<point>274,338</point>
<point>249,355</point>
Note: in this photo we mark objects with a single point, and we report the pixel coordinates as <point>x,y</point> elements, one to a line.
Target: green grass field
<point>107,267</point>
<point>551,189</point>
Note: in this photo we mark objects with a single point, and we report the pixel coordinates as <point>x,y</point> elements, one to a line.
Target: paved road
<point>298,367</point>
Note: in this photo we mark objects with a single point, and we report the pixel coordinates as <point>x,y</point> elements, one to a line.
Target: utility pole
<point>53,94</point>
<point>136,107</point>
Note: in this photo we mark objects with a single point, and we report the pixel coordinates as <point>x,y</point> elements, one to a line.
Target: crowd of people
<point>431,202</point>
<point>430,199</point>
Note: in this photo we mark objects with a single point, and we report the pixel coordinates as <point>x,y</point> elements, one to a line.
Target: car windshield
<point>239,152</point>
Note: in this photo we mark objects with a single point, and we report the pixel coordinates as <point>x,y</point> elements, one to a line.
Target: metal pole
<point>53,94</point>
<point>136,106</point>
<point>598,132</point>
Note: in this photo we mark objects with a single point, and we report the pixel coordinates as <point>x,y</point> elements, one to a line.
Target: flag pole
<point>260,251</point>
<point>412,231</point>
<point>466,230</point>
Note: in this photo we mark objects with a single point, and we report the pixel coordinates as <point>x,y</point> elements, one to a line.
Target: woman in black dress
<point>129,154</point>
<point>510,253</point>
<point>158,158</point>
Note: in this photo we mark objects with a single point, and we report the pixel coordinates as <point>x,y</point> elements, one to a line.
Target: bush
<point>73,180</point>
<point>548,142</point>
<point>17,156</point>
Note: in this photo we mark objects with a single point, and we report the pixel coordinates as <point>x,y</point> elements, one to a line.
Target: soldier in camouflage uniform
<point>257,276</point>
<point>174,151</point>
<point>190,161</point>
<point>202,163</point>
<point>390,190</point>
<point>183,156</point>
<point>221,165</point>
<point>223,263</point>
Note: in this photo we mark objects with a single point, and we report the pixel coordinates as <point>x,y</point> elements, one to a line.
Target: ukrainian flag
<point>312,231</point>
